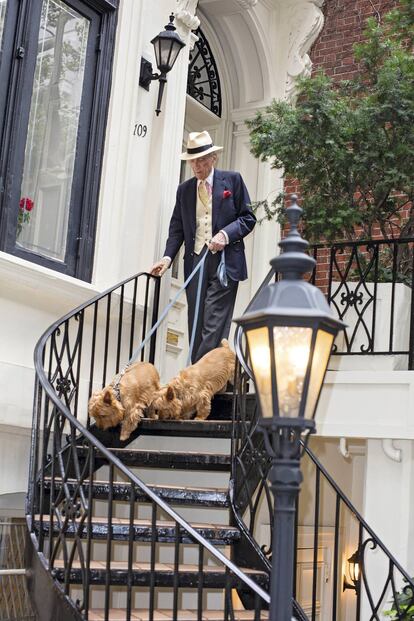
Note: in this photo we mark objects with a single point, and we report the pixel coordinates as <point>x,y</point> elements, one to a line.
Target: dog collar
<point>115,386</point>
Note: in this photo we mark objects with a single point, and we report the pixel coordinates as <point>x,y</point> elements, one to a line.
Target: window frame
<point>20,54</point>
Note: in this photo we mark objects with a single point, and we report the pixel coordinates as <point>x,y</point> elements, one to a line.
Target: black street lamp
<point>289,331</point>
<point>167,45</point>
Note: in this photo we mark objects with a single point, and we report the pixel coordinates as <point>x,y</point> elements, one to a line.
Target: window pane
<point>3,6</point>
<point>53,127</point>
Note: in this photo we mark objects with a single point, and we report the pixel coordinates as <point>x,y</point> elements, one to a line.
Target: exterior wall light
<point>167,45</point>
<point>353,571</point>
<point>289,331</point>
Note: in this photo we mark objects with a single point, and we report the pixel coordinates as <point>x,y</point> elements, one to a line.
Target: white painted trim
<point>19,273</point>
<point>393,453</point>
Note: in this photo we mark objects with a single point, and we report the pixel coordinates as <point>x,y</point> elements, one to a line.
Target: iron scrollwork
<point>203,83</point>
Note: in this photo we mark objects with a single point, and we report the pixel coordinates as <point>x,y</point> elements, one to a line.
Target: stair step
<point>194,496</point>
<point>188,575</point>
<point>215,533</point>
<point>119,614</point>
<point>173,459</point>
<point>179,428</point>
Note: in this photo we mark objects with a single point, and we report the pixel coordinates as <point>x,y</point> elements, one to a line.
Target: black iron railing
<point>336,533</point>
<point>370,286</point>
<point>66,520</point>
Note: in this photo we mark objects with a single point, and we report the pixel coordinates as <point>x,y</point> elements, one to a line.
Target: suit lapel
<point>218,189</point>
<point>191,203</point>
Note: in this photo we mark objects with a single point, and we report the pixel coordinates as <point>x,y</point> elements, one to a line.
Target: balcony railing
<point>370,286</point>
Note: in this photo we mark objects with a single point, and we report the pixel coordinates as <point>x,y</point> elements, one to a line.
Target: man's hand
<point>160,267</point>
<point>217,243</point>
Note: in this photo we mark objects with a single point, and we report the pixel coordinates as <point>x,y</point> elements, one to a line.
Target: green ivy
<point>349,144</point>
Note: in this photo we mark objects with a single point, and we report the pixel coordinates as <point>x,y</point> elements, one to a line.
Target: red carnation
<point>26,203</point>
<point>226,194</point>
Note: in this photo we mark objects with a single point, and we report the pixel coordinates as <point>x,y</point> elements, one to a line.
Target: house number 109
<point>140,130</point>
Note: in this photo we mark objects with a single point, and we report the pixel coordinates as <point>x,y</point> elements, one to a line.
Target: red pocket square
<point>226,194</point>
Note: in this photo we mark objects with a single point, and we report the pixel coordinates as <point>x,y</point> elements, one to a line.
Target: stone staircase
<point>137,554</point>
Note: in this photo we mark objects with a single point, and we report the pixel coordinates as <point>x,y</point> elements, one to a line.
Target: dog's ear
<point>107,397</point>
<point>170,395</point>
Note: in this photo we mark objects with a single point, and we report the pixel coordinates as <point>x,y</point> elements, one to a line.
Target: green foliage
<point>349,144</point>
<point>405,601</point>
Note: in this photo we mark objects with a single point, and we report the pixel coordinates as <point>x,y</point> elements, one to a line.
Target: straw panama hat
<point>198,145</point>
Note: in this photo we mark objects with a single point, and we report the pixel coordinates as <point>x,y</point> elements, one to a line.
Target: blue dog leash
<point>199,268</point>
<point>221,270</point>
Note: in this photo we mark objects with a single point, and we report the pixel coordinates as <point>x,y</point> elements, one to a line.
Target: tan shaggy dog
<point>137,387</point>
<point>194,387</point>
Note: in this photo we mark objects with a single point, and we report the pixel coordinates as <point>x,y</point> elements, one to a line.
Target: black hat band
<point>199,149</point>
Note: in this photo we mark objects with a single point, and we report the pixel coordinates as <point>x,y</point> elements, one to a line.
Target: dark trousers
<point>216,307</point>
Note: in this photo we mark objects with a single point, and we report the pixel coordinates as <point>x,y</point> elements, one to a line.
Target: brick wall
<point>333,52</point>
<point>344,24</point>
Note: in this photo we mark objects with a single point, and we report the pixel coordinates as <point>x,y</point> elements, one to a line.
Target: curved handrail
<point>86,435</point>
<point>356,513</point>
<point>57,455</point>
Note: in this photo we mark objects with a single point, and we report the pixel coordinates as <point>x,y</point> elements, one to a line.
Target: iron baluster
<point>336,557</point>
<point>76,383</point>
<point>91,475</point>
<point>315,544</point>
<point>374,310</point>
<point>200,583</point>
<point>155,310</point>
<point>93,348</point>
<point>176,580</point>
<point>106,347</point>
<point>134,308</point>
<point>145,318</point>
<point>152,560</point>
<point>109,540</point>
<point>392,309</point>
<point>130,551</point>
<point>120,322</point>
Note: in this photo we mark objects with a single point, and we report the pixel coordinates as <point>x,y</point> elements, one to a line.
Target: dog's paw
<point>124,435</point>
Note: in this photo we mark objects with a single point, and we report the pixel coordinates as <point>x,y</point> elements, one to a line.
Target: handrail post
<point>155,308</point>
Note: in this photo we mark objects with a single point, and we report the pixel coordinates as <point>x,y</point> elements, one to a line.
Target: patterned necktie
<point>203,193</point>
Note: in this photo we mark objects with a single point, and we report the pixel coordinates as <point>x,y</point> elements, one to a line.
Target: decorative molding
<point>185,18</point>
<point>247,4</point>
<point>391,451</point>
<point>306,21</point>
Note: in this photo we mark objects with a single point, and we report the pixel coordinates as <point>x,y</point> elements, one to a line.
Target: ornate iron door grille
<point>203,83</point>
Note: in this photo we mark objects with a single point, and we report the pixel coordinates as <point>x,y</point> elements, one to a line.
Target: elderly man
<point>211,213</point>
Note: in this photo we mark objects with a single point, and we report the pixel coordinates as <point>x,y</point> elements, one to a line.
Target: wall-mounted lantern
<point>167,45</point>
<point>353,571</point>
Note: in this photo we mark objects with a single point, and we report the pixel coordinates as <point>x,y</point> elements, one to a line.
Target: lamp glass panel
<point>175,50</point>
<point>165,53</point>
<point>292,348</point>
<point>354,572</point>
<point>322,351</point>
<point>259,350</point>
<point>157,50</point>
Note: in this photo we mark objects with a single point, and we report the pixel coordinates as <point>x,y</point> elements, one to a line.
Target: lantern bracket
<point>146,75</point>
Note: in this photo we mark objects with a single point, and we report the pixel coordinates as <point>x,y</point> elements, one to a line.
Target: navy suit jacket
<point>230,214</point>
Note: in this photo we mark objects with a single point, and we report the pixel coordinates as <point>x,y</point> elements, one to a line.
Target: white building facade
<point>102,169</point>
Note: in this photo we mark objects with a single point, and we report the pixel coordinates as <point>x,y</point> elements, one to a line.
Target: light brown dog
<point>194,387</point>
<point>137,387</point>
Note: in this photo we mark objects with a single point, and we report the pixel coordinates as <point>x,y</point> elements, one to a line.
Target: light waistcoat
<point>204,216</point>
